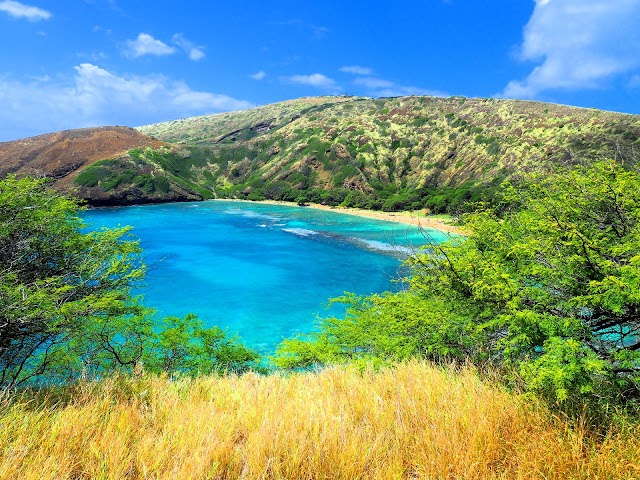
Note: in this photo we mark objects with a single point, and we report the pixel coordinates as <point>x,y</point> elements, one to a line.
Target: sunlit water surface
<point>260,271</point>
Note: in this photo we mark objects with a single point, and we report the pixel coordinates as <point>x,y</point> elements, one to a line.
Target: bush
<point>87,178</point>
<point>548,293</point>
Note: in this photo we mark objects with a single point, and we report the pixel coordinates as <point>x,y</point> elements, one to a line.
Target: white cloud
<point>195,52</point>
<point>316,80</point>
<point>145,44</point>
<point>379,87</point>
<point>258,75</point>
<point>578,44</point>
<point>95,96</point>
<point>20,10</point>
<point>356,70</point>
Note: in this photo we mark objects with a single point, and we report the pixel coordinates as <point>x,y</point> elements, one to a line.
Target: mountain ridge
<point>386,153</point>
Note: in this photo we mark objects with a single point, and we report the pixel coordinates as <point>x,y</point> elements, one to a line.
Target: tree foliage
<point>185,346</point>
<point>381,329</point>
<point>66,303</point>
<point>549,291</point>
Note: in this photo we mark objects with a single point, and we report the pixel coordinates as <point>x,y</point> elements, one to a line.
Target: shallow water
<point>261,271</point>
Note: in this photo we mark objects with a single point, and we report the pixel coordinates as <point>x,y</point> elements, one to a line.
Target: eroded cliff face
<point>128,195</point>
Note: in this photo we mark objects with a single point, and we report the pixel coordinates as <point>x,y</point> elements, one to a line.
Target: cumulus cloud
<point>379,87</point>
<point>145,44</point>
<point>195,52</point>
<point>20,10</point>
<point>258,75</point>
<point>316,80</point>
<point>578,44</point>
<point>356,70</point>
<point>95,96</point>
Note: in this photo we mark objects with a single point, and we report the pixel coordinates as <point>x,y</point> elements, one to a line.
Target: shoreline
<point>407,218</point>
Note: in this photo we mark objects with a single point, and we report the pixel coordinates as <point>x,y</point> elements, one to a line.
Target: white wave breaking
<point>250,214</point>
<point>300,232</point>
<point>385,247</point>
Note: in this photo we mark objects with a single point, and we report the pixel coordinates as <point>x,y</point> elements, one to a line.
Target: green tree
<point>185,346</point>
<point>553,287</point>
<point>55,280</point>
<point>381,330</point>
<point>549,291</point>
<point>66,304</point>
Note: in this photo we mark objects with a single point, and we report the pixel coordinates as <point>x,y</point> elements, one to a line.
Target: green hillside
<point>388,153</point>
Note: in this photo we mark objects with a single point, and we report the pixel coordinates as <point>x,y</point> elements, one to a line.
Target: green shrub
<point>493,148</point>
<point>88,177</point>
<point>545,292</point>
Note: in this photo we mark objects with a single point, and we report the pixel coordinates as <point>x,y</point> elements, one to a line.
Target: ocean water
<point>262,272</point>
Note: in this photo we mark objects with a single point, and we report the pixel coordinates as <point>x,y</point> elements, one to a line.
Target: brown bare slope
<point>61,155</point>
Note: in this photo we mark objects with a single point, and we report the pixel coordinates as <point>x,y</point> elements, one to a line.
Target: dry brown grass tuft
<point>413,421</point>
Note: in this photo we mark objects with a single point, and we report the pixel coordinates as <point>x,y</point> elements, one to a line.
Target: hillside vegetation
<point>412,421</point>
<point>387,153</point>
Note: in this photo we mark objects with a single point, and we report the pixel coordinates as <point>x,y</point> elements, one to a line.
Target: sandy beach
<point>409,218</point>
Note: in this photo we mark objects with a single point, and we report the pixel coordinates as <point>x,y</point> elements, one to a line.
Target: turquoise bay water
<point>260,271</point>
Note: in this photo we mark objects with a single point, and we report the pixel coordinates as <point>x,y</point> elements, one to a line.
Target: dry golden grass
<point>413,421</point>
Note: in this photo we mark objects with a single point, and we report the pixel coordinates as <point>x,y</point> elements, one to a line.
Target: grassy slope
<point>415,421</point>
<point>391,144</point>
<point>210,129</point>
<point>431,151</point>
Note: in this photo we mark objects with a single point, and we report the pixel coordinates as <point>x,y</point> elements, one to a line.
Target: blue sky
<point>78,63</point>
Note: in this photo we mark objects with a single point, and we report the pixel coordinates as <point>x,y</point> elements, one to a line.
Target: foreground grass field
<point>413,421</point>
